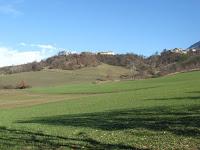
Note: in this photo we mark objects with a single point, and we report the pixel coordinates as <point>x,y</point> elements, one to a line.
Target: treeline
<point>169,62</point>
<point>71,61</point>
<point>64,62</point>
<point>34,66</point>
<point>143,67</point>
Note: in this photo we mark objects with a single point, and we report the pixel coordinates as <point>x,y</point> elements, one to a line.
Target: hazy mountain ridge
<point>195,46</point>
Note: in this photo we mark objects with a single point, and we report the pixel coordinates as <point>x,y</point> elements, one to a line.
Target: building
<point>179,50</point>
<point>193,50</point>
<point>63,53</point>
<point>106,53</point>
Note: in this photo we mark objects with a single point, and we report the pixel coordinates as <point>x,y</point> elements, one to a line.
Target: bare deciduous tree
<point>133,70</point>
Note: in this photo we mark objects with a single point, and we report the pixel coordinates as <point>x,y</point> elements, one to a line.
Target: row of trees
<point>34,66</point>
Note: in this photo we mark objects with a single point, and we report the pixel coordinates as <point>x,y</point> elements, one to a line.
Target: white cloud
<point>40,46</point>
<point>22,44</point>
<point>44,46</point>
<point>36,52</point>
<point>9,10</point>
<point>15,57</point>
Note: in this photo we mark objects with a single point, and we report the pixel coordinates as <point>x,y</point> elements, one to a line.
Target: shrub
<point>22,85</point>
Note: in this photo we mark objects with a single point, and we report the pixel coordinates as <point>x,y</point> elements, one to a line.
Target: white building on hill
<point>106,53</point>
<point>178,50</point>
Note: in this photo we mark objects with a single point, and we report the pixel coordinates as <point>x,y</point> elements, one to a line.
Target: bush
<point>23,85</point>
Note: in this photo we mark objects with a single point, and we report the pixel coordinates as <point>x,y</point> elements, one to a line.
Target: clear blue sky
<point>138,26</point>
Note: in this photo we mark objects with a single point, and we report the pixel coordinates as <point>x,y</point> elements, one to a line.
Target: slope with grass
<point>54,77</point>
<point>160,113</point>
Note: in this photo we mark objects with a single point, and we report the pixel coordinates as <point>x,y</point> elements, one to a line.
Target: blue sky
<point>41,28</point>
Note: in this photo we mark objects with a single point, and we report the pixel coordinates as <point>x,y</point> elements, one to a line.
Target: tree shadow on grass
<point>112,92</point>
<point>184,121</point>
<point>194,92</point>
<point>19,139</point>
<point>181,98</point>
<point>178,98</point>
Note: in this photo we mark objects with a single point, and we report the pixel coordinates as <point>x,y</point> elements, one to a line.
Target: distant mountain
<point>196,46</point>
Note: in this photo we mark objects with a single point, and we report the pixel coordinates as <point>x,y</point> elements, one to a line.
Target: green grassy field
<point>159,113</point>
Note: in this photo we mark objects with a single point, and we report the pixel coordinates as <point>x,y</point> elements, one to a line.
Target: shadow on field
<point>194,92</point>
<point>183,121</point>
<point>178,98</point>
<point>19,139</point>
<point>114,91</point>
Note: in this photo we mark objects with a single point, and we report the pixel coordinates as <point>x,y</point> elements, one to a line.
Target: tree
<point>133,70</point>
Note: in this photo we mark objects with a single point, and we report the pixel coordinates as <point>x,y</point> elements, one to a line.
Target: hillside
<point>54,77</point>
<point>167,62</point>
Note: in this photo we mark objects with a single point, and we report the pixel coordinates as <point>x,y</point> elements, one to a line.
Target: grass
<point>62,77</point>
<point>160,113</point>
